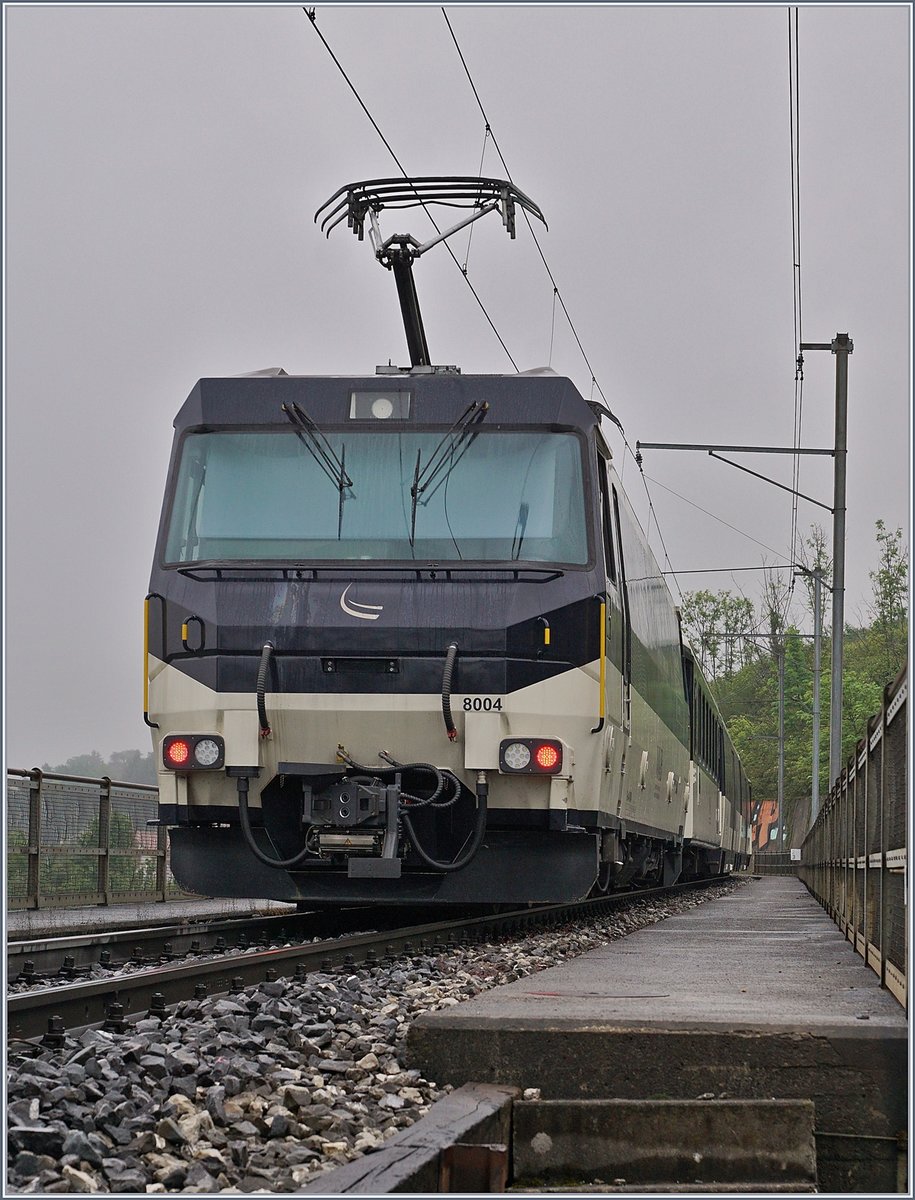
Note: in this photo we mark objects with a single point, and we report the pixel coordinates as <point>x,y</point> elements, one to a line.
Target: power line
<point>794,129</point>
<point>652,513</point>
<point>721,521</point>
<point>312,17</point>
<point>556,292</point>
<point>557,295</point>
<point>729,570</point>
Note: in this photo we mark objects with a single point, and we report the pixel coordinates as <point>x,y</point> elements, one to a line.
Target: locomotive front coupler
<point>353,815</point>
<point>350,813</point>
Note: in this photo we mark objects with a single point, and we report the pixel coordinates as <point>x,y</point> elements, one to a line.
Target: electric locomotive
<point>406,641</point>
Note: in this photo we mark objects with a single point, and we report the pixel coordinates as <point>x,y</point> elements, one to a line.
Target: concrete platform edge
<point>478,1113</point>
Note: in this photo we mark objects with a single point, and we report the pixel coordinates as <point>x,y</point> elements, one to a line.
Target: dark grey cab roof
<point>535,398</point>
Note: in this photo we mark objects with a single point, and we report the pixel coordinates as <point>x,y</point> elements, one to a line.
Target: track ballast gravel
<point>263,1090</point>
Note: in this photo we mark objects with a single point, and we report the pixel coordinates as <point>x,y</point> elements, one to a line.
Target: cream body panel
<point>308,727</point>
<point>605,767</point>
<point>645,796</point>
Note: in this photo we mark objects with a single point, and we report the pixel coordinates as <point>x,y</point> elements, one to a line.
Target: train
<point>406,642</point>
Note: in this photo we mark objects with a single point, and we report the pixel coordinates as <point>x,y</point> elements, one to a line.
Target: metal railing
<point>79,841</point>
<point>854,859</point>
<point>774,862</point>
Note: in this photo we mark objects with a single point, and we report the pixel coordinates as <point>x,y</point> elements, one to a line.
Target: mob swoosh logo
<point>365,612</point>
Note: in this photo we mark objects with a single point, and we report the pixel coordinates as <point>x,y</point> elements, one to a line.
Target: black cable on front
<point>262,688</point>
<point>475,842</point>
<point>248,832</point>
<point>450,656</point>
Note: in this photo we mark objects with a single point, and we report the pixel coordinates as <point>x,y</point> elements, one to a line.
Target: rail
<point>72,840</point>
<point>854,860</point>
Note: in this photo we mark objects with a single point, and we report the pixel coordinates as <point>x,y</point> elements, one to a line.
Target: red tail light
<point>546,756</point>
<point>177,752</point>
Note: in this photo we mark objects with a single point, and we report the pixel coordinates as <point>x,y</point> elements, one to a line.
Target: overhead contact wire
<point>721,520</point>
<point>557,293</point>
<point>474,225</point>
<point>652,513</point>
<point>311,13</point>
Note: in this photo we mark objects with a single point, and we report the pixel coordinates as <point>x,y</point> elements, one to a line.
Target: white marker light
<point>206,752</point>
<point>517,756</point>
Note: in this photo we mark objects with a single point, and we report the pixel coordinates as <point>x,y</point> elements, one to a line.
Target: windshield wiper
<point>519,530</point>
<point>317,445</point>
<point>442,460</point>
<point>197,472</point>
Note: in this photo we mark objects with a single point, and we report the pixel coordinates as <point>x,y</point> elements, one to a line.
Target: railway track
<point>47,1012</point>
<point>148,945</point>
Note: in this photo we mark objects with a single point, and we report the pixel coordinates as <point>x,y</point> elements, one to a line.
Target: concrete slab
<point>765,955</point>
<point>665,1142</point>
<point>755,995</point>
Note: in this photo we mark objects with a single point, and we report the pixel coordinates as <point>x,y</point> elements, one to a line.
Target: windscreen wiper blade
<point>198,472</point>
<point>462,435</point>
<point>317,445</point>
<point>333,466</point>
<point>520,528</point>
<point>462,430</point>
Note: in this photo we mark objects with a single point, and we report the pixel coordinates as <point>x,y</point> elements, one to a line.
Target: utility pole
<point>782,815</point>
<point>841,346</point>
<point>817,647</point>
<point>817,577</point>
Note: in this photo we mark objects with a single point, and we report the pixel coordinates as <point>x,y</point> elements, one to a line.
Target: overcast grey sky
<point>162,168</point>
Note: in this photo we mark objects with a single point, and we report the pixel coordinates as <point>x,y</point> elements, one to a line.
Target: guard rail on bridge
<point>854,859</point>
<point>78,841</point>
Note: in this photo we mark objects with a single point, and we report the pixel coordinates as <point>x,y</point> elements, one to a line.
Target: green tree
<point>748,694</point>
<point>91,765</point>
<point>124,766</point>
<point>889,624</point>
<point>132,766</point>
<point>815,560</point>
<point>715,624</point>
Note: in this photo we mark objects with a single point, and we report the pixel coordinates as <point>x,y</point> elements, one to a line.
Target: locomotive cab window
<point>383,494</point>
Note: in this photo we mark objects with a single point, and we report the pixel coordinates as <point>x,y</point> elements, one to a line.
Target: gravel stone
<point>40,1139</point>
<point>127,1181</point>
<point>265,1090</point>
<point>23,1112</point>
<point>27,1164</point>
<point>81,1181</point>
<point>80,1145</point>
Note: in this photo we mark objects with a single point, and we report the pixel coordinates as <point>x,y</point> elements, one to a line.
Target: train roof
<point>439,396</point>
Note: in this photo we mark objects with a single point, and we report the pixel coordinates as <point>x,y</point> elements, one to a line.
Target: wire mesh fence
<point>75,841</point>
<point>774,862</point>
<point>855,858</point>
